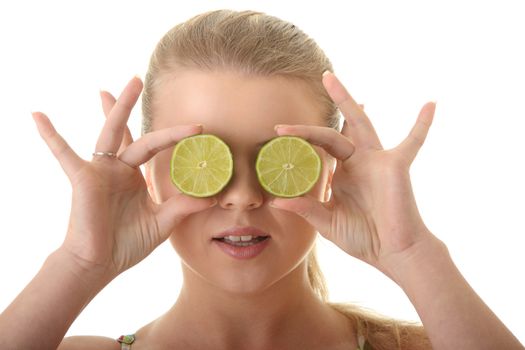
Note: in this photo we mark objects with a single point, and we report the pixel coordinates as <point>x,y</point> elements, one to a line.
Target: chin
<point>241,281</point>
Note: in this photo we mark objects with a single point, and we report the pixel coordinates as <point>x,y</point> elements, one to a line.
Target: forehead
<point>229,103</point>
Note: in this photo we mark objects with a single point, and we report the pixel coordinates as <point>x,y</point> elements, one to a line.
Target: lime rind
<point>193,180</point>
<point>279,182</point>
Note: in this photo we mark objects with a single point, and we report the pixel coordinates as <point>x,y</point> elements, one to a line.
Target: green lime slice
<point>288,166</point>
<point>201,165</point>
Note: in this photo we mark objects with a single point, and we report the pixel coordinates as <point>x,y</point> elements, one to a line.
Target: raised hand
<point>372,214</point>
<point>114,223</point>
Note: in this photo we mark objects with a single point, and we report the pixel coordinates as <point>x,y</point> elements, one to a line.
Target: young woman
<point>247,77</point>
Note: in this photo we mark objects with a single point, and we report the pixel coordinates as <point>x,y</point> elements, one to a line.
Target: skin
<point>267,298</point>
<point>117,220</point>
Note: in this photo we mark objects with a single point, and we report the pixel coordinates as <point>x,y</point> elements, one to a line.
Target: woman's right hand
<point>114,223</point>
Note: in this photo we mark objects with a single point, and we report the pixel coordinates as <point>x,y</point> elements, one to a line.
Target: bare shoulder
<point>86,342</point>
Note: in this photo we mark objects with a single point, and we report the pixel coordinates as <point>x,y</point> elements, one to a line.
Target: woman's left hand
<point>372,214</point>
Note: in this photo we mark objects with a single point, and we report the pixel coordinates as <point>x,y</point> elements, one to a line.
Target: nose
<point>243,192</point>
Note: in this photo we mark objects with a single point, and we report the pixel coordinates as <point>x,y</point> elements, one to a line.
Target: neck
<point>284,312</point>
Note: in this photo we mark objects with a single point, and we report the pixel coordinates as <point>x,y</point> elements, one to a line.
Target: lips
<point>242,242</point>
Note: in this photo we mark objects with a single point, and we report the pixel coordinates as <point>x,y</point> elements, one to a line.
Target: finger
<point>360,129</point>
<point>362,106</point>
<point>150,144</point>
<point>310,209</point>
<point>328,138</point>
<point>177,208</point>
<point>415,139</point>
<point>112,132</point>
<point>108,101</point>
<point>68,159</point>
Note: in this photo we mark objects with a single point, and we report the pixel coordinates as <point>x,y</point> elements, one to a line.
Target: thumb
<point>172,211</point>
<point>310,209</point>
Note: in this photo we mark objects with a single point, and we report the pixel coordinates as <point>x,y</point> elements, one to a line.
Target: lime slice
<point>201,165</point>
<point>288,166</point>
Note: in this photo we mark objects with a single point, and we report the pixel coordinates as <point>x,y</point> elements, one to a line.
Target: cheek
<point>296,234</point>
<point>190,239</point>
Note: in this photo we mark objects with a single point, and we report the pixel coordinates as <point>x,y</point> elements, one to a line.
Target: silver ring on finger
<point>105,154</point>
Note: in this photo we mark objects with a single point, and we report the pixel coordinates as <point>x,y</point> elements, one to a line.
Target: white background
<point>392,56</point>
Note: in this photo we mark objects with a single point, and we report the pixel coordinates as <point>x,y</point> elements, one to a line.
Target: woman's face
<point>242,111</point>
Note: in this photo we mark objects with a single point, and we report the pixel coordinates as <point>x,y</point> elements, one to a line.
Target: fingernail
<point>213,203</point>
<point>326,72</point>
<point>137,76</point>
<point>278,126</point>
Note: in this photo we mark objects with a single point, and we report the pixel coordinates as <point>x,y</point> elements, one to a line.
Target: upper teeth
<point>239,238</point>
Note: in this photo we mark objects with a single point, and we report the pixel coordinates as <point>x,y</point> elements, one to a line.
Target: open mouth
<point>242,241</point>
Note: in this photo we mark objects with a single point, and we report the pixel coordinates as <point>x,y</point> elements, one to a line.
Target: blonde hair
<point>258,44</point>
